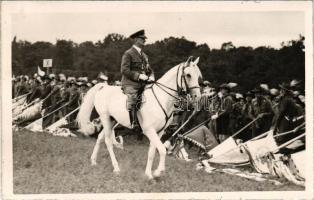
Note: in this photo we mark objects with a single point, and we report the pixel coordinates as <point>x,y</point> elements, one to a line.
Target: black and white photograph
<point>157,100</point>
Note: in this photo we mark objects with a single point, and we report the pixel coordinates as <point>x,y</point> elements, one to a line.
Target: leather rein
<point>180,91</point>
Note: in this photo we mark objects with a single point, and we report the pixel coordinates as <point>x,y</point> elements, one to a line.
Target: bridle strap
<point>164,111</point>
<point>179,91</point>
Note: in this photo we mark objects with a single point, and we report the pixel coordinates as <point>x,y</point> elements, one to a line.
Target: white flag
<point>40,72</point>
<point>36,126</point>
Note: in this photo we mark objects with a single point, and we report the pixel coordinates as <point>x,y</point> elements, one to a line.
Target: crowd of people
<point>56,91</point>
<point>229,111</point>
<point>246,115</point>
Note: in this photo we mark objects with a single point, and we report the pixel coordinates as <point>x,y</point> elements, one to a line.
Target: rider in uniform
<point>135,71</point>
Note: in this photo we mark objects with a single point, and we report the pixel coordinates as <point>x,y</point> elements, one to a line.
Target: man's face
<point>224,91</point>
<point>258,95</point>
<point>282,92</point>
<point>140,42</point>
<point>248,98</point>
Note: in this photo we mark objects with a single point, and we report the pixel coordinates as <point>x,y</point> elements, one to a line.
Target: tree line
<point>244,65</point>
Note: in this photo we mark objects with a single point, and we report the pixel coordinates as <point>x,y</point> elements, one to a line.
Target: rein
<point>180,91</point>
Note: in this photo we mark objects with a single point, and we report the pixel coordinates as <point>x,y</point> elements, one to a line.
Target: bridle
<point>181,93</point>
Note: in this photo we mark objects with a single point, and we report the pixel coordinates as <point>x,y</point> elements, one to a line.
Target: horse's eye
<point>188,75</point>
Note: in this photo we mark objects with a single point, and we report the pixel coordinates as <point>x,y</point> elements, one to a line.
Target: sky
<point>249,28</point>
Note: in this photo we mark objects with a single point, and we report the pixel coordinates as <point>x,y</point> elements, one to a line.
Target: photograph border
<point>9,8</point>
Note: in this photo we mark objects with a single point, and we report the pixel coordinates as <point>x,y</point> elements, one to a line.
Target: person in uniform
<point>36,90</point>
<point>51,96</point>
<point>22,87</point>
<point>135,71</point>
<point>224,113</point>
<point>247,116</point>
<point>261,108</point>
<point>289,116</point>
<point>73,102</point>
<point>65,94</point>
<point>102,78</point>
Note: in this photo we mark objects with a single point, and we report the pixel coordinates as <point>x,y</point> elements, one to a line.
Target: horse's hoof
<point>93,162</point>
<point>149,177</point>
<point>119,146</point>
<point>116,172</point>
<point>158,173</point>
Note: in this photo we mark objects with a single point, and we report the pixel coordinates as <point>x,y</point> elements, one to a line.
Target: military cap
<point>302,98</point>
<point>103,77</point>
<point>274,91</point>
<point>78,83</point>
<point>206,83</point>
<point>225,86</point>
<point>52,76</point>
<point>138,34</point>
<point>89,85</point>
<point>25,78</point>
<point>249,94</point>
<point>84,79</point>
<point>238,96</point>
<point>285,86</point>
<point>118,83</point>
<point>94,82</point>
<point>46,77</point>
<point>257,90</point>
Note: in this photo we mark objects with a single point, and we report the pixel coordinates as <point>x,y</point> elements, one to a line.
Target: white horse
<point>154,115</point>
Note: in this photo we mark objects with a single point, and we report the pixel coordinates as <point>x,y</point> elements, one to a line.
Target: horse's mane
<point>175,68</point>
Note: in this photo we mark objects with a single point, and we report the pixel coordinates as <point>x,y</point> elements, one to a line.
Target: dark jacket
<point>132,65</point>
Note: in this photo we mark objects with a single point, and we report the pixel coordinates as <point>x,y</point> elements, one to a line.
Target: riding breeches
<point>134,97</point>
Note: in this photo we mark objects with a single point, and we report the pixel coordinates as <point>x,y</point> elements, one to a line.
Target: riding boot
<point>131,118</point>
<point>133,121</point>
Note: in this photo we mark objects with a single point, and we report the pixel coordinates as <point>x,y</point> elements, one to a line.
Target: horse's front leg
<point>155,141</point>
<point>150,160</point>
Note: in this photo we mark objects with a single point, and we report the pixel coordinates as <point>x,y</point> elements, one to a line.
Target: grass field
<point>48,164</point>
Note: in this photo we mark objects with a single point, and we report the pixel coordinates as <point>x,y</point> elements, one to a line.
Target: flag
<point>53,127</point>
<point>40,72</point>
<point>36,126</point>
<point>228,152</point>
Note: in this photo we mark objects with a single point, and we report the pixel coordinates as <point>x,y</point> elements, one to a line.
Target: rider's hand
<point>151,79</point>
<point>143,77</point>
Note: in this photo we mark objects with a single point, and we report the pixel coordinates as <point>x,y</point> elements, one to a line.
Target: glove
<point>151,79</point>
<point>143,77</point>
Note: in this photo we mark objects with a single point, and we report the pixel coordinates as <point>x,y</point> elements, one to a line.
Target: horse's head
<point>190,77</point>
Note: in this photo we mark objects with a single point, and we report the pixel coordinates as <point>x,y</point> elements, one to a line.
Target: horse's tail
<point>83,117</point>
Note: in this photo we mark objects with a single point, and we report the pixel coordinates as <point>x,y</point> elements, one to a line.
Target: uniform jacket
<point>37,93</point>
<point>73,99</point>
<point>226,107</point>
<point>133,64</point>
<point>46,95</point>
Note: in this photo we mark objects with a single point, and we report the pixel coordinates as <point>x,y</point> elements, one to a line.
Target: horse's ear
<point>189,59</point>
<point>196,60</point>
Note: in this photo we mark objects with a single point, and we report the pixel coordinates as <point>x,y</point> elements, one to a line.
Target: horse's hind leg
<point>99,141</point>
<point>107,124</point>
